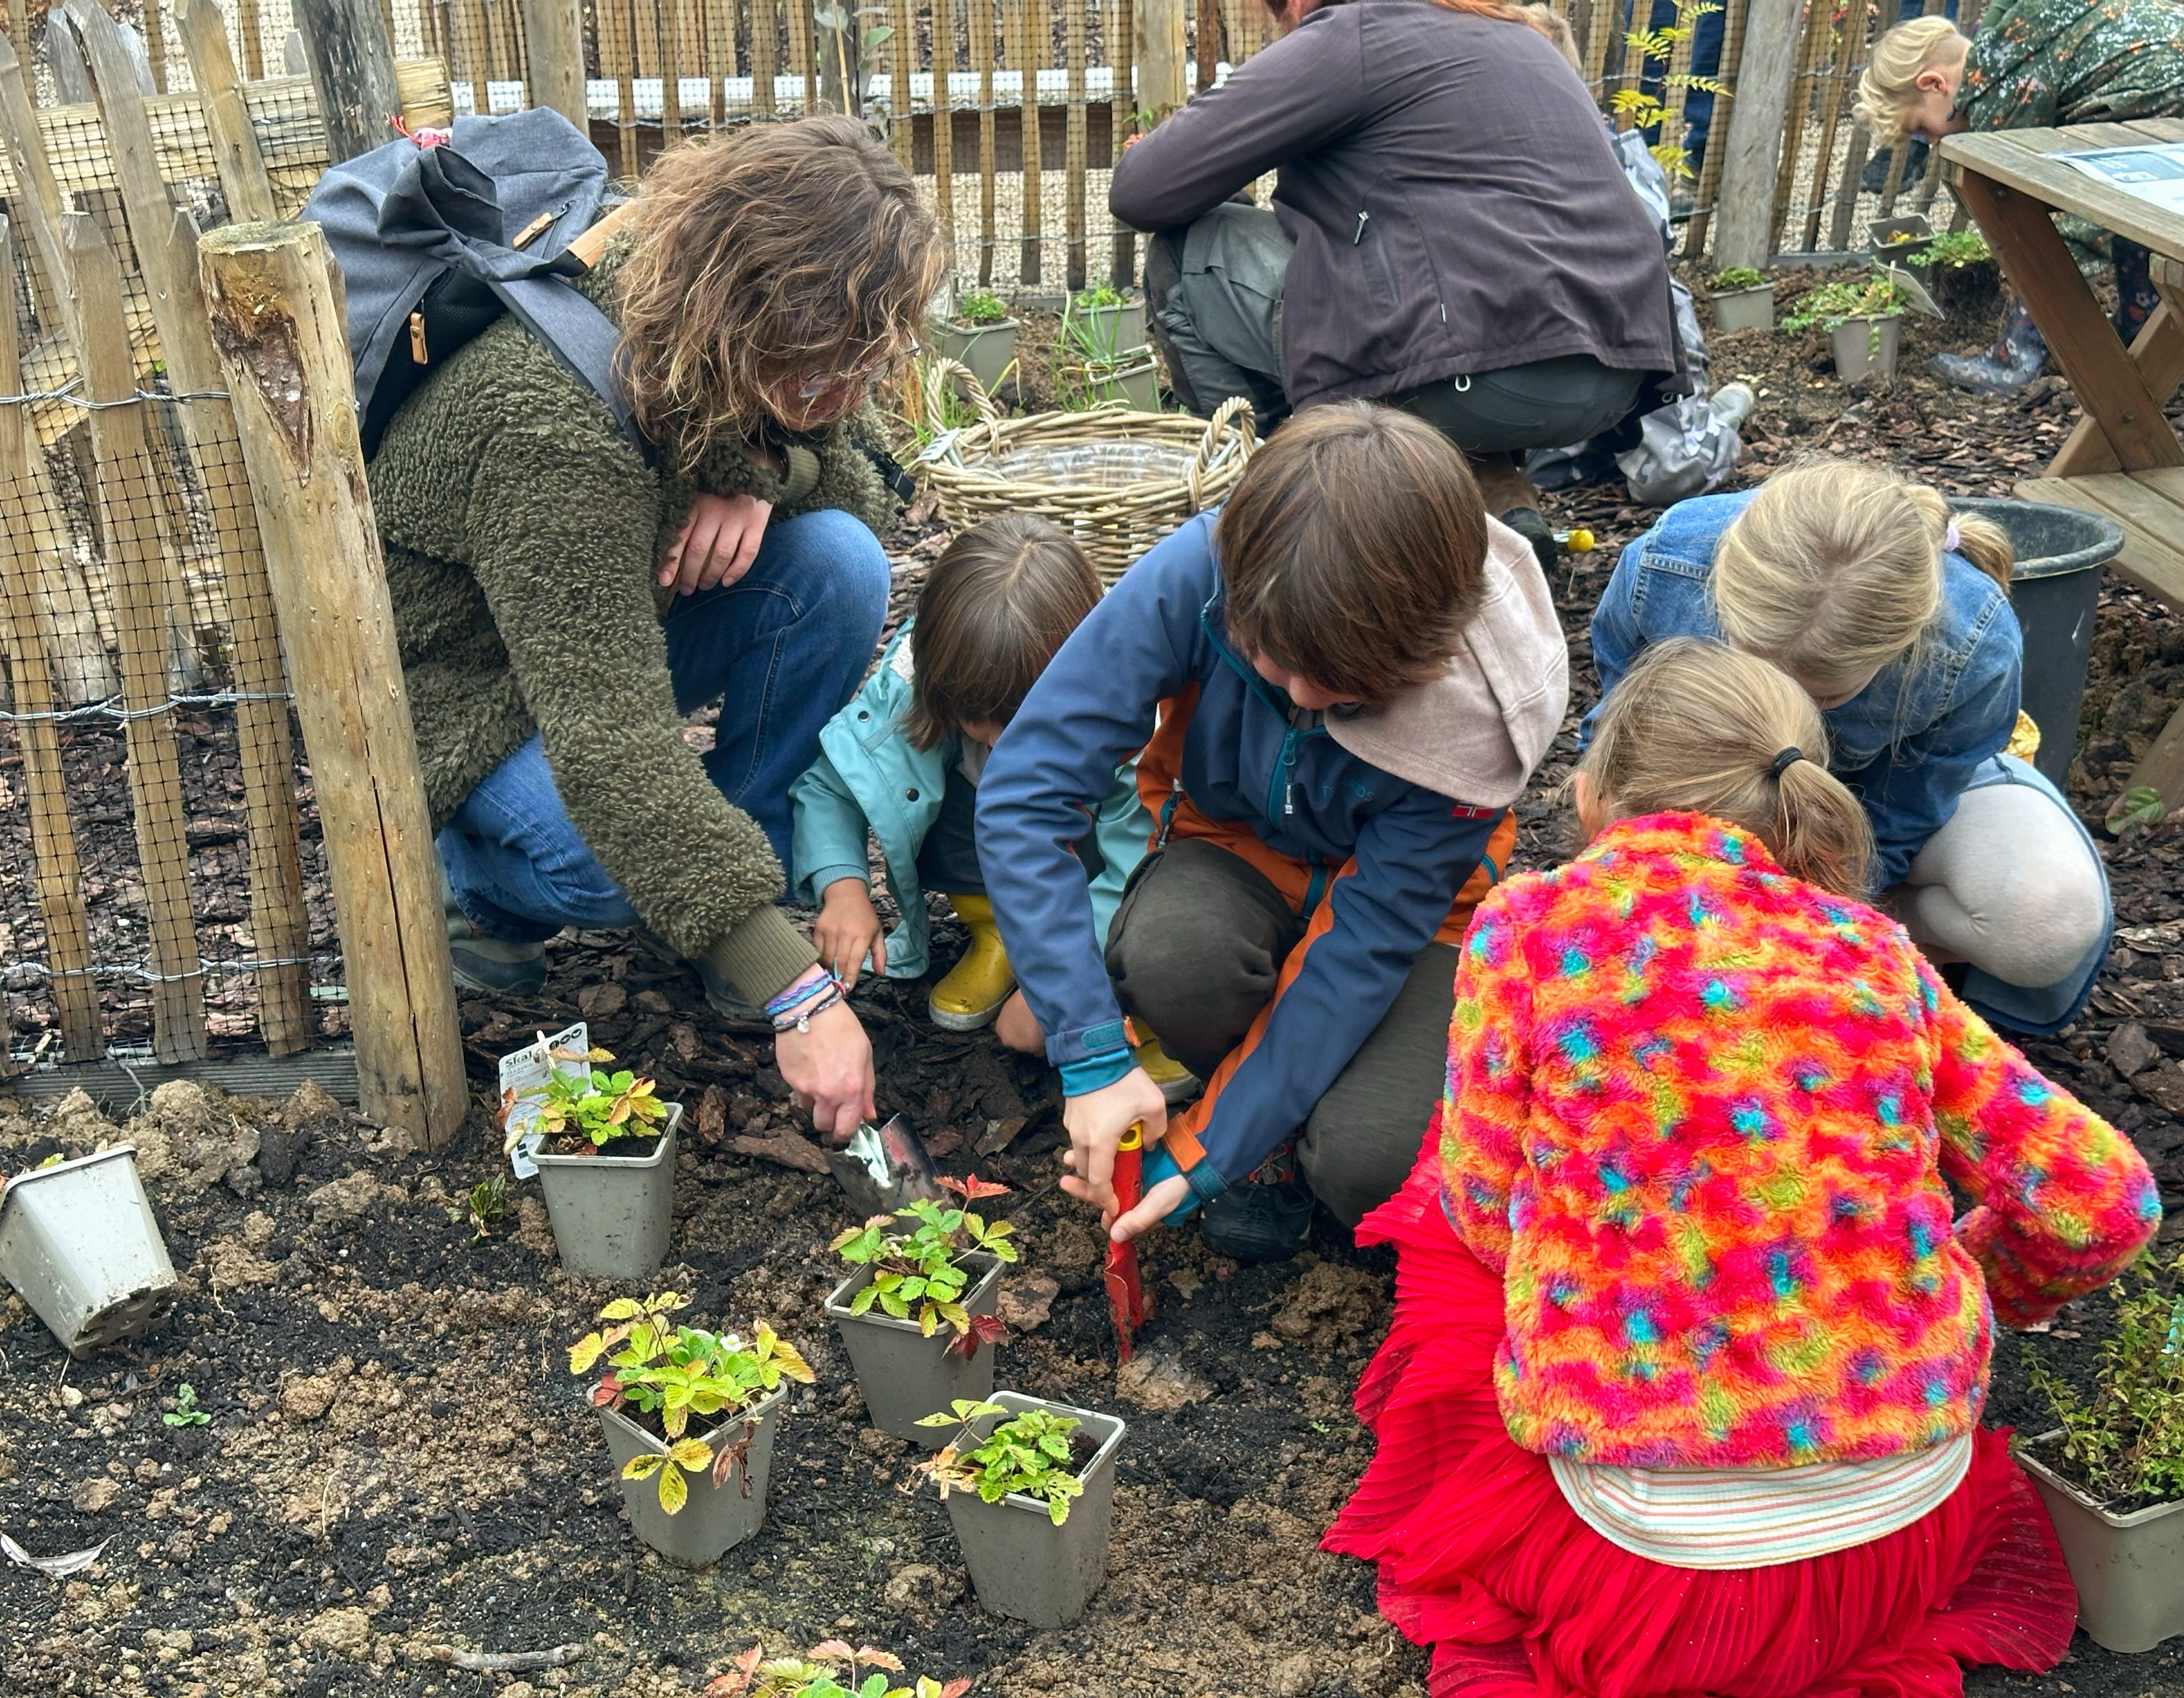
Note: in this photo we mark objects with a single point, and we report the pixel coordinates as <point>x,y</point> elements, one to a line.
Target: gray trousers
<point>1215,291</point>
<point>1195,951</point>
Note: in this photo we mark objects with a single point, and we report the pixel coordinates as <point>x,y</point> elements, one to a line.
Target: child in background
<point>903,761</point>
<point>1684,1388</point>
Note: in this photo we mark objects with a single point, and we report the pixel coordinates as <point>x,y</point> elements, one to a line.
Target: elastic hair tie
<point>1787,759</point>
<point>1951,542</point>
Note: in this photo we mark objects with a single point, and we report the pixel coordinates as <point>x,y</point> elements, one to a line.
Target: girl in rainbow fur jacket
<point>1684,1388</point>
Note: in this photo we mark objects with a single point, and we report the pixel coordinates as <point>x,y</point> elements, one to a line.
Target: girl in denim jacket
<point>1895,616</point>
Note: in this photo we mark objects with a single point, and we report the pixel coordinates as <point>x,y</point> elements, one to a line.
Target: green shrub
<point>1954,249</point>
<point>1879,296</point>
<point>2124,1443</point>
<point>1028,1454</point>
<point>1739,277</point>
<point>984,307</point>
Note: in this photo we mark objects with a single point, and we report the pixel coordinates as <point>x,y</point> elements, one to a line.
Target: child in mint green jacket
<point>902,761</point>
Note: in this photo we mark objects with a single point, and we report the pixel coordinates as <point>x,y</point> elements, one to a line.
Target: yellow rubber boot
<point>1177,1083</point>
<point>977,986</point>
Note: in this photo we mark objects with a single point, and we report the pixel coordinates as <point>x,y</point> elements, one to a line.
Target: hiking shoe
<point>1267,1218</point>
<point>721,995</point>
<point>1528,523</point>
<point>971,994</point>
<point>485,965</point>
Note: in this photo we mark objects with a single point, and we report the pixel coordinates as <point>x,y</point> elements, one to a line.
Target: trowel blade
<point>885,1168</point>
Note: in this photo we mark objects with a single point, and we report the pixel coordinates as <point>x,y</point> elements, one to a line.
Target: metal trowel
<point>885,1168</point>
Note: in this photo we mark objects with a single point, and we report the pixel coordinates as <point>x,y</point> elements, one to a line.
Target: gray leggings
<point>1215,291</point>
<point>1195,951</point>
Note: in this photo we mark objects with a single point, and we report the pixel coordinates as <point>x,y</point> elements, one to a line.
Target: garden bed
<point>398,1469</point>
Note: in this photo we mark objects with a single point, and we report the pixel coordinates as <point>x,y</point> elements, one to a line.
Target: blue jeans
<point>783,648</point>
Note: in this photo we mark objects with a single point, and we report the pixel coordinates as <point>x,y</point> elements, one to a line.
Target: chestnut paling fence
<point>162,888</point>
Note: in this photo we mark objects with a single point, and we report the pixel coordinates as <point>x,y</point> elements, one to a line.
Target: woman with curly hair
<point>562,606</point>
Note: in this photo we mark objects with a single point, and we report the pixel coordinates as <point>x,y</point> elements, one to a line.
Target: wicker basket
<point>1117,480</point>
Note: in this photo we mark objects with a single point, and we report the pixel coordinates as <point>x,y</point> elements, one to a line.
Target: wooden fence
<point>168,899</point>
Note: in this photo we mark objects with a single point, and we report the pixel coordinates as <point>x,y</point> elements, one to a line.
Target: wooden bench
<point>2123,459</point>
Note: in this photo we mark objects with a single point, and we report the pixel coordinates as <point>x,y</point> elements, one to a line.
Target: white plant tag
<point>523,1076</point>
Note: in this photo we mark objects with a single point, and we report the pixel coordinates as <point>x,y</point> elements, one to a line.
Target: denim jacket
<point>1907,742</point>
<point>868,776</point>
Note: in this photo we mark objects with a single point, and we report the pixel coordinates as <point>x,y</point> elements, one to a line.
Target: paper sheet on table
<point>2154,173</point>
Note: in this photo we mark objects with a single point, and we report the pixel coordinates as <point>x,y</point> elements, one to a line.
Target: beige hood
<point>1475,733</point>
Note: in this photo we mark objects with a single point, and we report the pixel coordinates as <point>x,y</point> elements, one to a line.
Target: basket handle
<point>937,373</point>
<point>1236,411</point>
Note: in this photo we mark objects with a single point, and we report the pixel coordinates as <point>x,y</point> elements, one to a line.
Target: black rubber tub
<point>2060,552</point>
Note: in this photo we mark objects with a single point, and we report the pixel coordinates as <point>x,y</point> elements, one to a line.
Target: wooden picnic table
<point>2124,459</point>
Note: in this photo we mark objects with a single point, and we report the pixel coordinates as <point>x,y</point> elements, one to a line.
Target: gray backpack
<point>438,234</point>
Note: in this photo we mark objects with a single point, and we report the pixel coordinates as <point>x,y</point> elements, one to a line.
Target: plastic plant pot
<point>904,1375</point>
<point>1898,238</point>
<point>2129,1569</point>
<point>612,1215</point>
<point>1023,1566</point>
<point>1866,344</point>
<point>2054,591</point>
<point>1970,295</point>
<point>715,1518</point>
<point>80,1242</point>
<point>1752,308</point>
<point>987,349</point>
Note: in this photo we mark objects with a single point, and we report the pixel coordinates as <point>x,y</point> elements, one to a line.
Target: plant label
<point>523,1076</point>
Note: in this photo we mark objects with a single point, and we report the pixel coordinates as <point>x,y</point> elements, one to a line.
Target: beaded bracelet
<point>800,1019</point>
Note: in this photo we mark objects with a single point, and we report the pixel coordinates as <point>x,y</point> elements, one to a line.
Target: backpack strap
<point>580,338</point>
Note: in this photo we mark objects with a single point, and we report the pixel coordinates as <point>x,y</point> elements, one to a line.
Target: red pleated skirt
<point>1481,1557</point>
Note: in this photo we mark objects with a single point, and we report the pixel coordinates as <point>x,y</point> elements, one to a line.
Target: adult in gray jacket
<point>1449,233</point>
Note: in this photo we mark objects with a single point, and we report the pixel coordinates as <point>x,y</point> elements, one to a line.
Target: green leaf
<point>1057,1509</point>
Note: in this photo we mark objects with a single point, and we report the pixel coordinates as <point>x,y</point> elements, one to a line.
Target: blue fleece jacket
<point>1249,756</point>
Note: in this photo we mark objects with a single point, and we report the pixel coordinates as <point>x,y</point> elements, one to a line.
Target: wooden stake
<point>1745,210</point>
<point>242,177</point>
<point>130,509</point>
<point>1161,53</point>
<point>56,868</point>
<point>283,351</point>
<point>554,36</point>
<point>352,68</point>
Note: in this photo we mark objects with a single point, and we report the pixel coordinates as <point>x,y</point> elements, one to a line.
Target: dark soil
<point>400,1466</point>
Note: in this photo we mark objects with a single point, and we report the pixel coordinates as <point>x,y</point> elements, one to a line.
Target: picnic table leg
<point>2110,387</point>
<point>2159,352</point>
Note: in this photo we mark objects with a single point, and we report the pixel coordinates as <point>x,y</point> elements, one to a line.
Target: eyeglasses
<point>872,372</point>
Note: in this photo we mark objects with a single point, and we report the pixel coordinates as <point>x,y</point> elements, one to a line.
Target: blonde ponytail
<point>1835,569</point>
<point>1888,87</point>
<point>1694,727</point>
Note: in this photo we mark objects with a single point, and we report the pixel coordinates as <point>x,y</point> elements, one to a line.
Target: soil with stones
<point>397,1468</point>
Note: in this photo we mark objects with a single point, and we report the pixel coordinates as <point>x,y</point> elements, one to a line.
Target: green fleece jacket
<point>523,537</point>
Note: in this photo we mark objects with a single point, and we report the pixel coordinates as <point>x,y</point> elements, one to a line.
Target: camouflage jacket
<point>2039,63</point>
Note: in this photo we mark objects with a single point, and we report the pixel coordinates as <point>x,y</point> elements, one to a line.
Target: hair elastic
<point>1951,542</point>
<point>1787,759</point>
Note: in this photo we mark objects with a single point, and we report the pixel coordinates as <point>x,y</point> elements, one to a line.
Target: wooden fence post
<point>283,351</point>
<point>235,147</point>
<point>554,36</point>
<point>1744,212</point>
<point>1161,53</point>
<point>352,67</point>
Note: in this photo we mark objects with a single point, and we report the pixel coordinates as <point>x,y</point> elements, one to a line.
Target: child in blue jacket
<point>903,761</point>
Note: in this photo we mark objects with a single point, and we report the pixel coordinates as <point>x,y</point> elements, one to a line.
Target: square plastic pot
<point>80,1244</point>
<point>1752,308</point>
<point>1913,225</point>
<point>715,1518</point>
<point>2129,1569</point>
<point>1856,350</point>
<point>904,1375</point>
<point>612,1215</point>
<point>987,349</point>
<point>1023,1565</point>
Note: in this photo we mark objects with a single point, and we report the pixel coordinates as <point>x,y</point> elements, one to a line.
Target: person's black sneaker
<point>1267,1218</point>
<point>1533,528</point>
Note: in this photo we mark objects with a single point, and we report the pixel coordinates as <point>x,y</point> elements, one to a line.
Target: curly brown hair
<point>764,260</point>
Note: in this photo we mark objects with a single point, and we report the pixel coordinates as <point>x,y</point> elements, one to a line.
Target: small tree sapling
<point>672,1373</point>
<point>922,1273</point>
<point>819,1672</point>
<point>1029,1453</point>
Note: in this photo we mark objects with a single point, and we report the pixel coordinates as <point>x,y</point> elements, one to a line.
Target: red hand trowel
<point>1126,1296</point>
